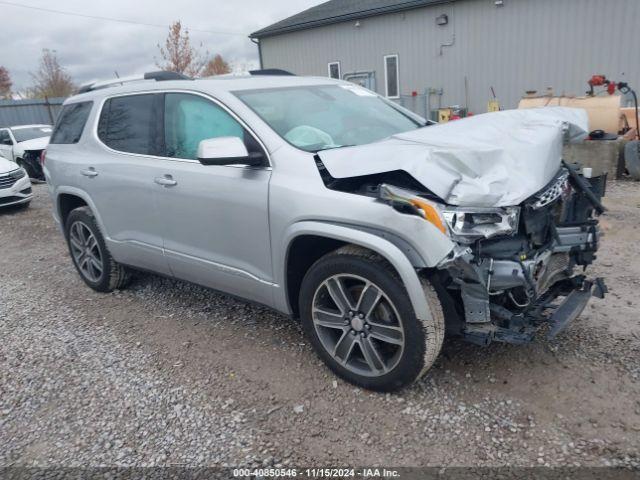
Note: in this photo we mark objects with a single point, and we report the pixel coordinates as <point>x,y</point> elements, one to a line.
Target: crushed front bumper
<point>508,287</point>
<point>574,304</point>
<point>521,327</point>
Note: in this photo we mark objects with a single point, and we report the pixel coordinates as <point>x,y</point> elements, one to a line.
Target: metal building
<point>30,111</point>
<point>459,50</point>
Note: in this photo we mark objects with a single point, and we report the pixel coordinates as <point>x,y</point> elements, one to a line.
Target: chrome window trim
<point>101,103</point>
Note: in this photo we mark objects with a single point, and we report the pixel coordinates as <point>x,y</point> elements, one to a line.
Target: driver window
<point>189,119</point>
<point>5,139</point>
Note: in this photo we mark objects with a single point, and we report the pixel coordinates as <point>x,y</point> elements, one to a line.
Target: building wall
<point>523,45</point>
<point>27,112</point>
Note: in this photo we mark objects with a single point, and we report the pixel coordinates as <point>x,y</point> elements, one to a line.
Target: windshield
<point>317,118</point>
<point>29,133</point>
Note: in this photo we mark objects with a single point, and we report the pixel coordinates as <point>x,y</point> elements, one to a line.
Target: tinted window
<point>129,124</point>
<point>189,119</point>
<point>71,122</point>
<point>4,137</point>
<point>334,70</point>
<point>391,73</point>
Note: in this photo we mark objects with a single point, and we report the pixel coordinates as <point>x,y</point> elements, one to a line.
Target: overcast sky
<point>91,49</point>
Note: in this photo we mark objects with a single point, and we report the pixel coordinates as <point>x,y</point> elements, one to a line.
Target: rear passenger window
<point>130,124</point>
<point>189,119</point>
<point>71,122</point>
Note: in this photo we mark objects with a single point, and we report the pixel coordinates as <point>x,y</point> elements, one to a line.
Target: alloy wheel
<point>86,251</point>
<point>358,325</point>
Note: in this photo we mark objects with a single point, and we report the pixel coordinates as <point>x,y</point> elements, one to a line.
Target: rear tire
<point>632,159</point>
<point>90,255</point>
<point>360,320</point>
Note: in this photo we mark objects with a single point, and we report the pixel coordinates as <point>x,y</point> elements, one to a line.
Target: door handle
<point>89,173</point>
<point>166,181</point>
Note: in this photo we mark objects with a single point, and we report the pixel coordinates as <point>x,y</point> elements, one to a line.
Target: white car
<point>15,186</point>
<point>24,145</point>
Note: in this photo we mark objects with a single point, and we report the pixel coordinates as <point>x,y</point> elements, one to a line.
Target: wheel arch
<point>310,240</point>
<point>69,198</point>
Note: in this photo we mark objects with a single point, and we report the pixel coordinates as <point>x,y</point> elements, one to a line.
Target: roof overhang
<point>284,27</point>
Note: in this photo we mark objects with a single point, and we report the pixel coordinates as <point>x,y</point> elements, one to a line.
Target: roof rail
<point>159,76</point>
<point>272,71</point>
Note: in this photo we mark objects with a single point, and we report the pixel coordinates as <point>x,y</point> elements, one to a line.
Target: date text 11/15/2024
<point>310,473</point>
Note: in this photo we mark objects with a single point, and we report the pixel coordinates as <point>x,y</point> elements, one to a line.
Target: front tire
<point>360,320</point>
<point>90,255</point>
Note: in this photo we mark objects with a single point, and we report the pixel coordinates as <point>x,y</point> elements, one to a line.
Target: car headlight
<point>463,224</point>
<point>468,224</point>
<point>18,173</point>
<point>410,202</point>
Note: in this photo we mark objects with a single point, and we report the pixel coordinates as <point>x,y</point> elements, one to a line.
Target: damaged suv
<point>331,204</point>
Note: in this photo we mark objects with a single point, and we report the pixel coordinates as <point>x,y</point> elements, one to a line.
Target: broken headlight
<point>467,224</point>
<point>410,202</point>
<point>462,224</point>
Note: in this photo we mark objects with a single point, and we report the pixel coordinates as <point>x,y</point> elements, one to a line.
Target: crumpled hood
<point>34,144</point>
<point>6,165</point>
<point>490,160</point>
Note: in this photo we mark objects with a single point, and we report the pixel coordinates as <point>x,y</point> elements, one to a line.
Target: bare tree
<point>51,79</point>
<point>5,83</point>
<point>216,66</point>
<point>178,55</point>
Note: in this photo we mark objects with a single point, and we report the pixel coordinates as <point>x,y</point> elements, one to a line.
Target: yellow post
<point>493,106</point>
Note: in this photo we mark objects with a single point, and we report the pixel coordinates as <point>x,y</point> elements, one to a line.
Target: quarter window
<point>129,124</point>
<point>71,122</point>
<point>189,119</point>
<point>392,89</point>
<point>334,70</point>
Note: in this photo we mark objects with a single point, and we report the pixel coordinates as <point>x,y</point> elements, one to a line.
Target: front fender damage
<point>508,287</point>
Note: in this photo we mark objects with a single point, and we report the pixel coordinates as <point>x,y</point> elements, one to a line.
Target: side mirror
<point>7,141</point>
<point>227,151</point>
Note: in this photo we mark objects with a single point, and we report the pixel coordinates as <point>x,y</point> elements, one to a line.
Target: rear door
<point>120,178</point>
<point>215,218</point>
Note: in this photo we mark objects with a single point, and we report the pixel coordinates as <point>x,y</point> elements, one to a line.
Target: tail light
<point>43,156</point>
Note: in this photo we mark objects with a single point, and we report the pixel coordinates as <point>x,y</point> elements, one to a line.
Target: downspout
<point>257,42</point>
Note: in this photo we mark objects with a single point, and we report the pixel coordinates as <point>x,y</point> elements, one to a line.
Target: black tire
<point>632,159</point>
<point>113,276</point>
<point>422,339</point>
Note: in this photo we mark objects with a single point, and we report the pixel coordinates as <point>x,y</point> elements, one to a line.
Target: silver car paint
<point>230,227</point>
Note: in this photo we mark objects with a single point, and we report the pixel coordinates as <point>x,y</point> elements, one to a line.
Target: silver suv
<point>334,205</point>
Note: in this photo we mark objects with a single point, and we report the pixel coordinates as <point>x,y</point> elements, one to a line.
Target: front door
<point>216,224</point>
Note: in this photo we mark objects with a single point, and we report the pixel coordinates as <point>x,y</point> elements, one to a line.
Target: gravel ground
<point>167,373</point>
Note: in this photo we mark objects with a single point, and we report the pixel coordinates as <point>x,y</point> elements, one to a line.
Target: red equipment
<point>602,81</point>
